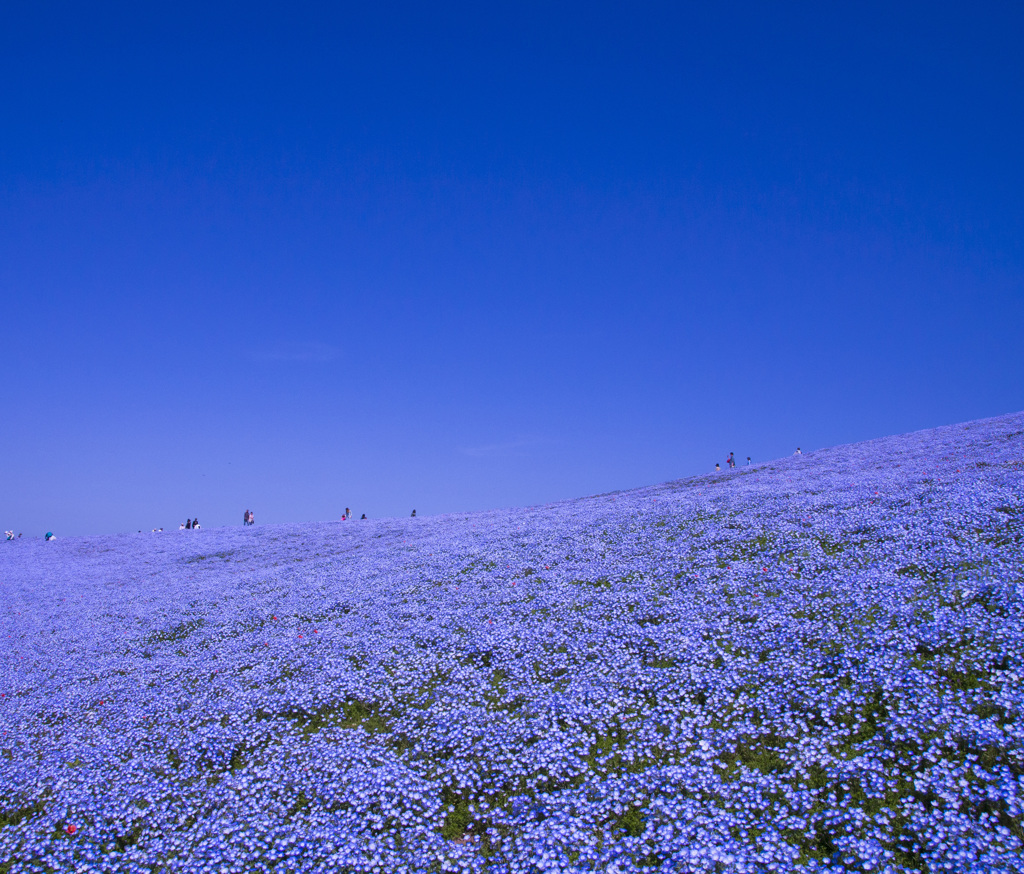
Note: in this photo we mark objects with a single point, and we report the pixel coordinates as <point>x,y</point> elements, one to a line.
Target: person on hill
<point>730,461</point>
<point>718,467</point>
<point>798,452</point>
<point>50,536</point>
<point>413,514</point>
<point>348,513</point>
<point>10,535</point>
<point>252,518</point>
<point>748,459</point>
<point>188,524</point>
<point>195,524</point>
<point>363,516</point>
<point>245,518</point>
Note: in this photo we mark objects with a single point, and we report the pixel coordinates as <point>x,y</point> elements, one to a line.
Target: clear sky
<point>449,257</point>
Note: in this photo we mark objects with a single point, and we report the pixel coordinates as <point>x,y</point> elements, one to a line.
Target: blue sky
<point>464,256</point>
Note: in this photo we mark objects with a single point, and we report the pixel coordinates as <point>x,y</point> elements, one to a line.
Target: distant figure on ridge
<point>195,524</point>
<point>363,516</point>
<point>798,452</point>
<point>50,536</point>
<point>413,514</point>
<point>718,467</point>
<point>188,524</point>
<point>10,534</point>
<point>730,461</point>
<point>245,518</point>
<point>748,459</point>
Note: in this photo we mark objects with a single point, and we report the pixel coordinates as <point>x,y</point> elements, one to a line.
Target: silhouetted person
<point>413,514</point>
<point>188,524</point>
<point>363,516</point>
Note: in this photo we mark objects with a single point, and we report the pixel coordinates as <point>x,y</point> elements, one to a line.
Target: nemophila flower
<point>630,710</point>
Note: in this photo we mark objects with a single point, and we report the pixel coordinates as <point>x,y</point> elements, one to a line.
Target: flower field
<point>812,664</point>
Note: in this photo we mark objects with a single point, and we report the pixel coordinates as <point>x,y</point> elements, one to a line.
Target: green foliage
<point>223,556</point>
<point>456,820</point>
<point>14,815</point>
<point>237,760</point>
<point>347,714</point>
<point>754,753</point>
<point>129,839</point>
<point>300,803</point>
<point>178,632</point>
<point>631,821</point>
<point>830,547</point>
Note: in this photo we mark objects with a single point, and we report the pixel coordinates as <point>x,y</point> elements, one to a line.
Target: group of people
<point>249,518</point>
<point>730,462</point>
<point>189,524</point>
<point>348,515</point>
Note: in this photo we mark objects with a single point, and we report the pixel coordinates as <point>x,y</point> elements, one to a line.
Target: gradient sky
<point>465,256</point>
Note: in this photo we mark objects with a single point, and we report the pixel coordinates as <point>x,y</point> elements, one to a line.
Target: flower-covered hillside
<point>815,664</point>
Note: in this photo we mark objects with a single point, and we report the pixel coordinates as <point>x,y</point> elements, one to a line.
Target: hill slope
<point>812,664</point>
